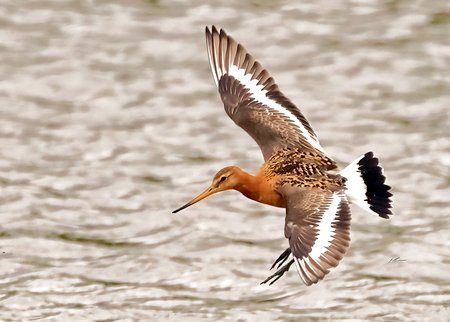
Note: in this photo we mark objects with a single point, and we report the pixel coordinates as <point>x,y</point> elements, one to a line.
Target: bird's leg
<point>280,272</point>
<point>280,261</point>
<point>282,258</point>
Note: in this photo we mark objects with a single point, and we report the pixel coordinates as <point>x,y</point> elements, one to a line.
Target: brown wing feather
<point>271,131</point>
<point>253,100</point>
<point>318,229</point>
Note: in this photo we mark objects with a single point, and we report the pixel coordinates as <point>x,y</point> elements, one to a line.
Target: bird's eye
<point>223,178</point>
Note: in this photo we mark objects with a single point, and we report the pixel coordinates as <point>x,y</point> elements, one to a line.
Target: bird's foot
<point>277,275</point>
<point>282,258</point>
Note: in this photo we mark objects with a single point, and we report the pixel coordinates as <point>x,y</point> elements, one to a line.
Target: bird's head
<point>225,179</point>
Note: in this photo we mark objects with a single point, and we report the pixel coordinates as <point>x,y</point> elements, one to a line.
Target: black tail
<point>366,185</point>
<point>378,195</point>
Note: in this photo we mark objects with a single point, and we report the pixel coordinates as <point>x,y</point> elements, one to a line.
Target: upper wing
<point>318,228</point>
<point>252,98</point>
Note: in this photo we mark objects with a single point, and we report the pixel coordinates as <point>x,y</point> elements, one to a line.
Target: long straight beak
<point>203,195</point>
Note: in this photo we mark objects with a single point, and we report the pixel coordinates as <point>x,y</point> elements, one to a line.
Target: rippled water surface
<point>109,120</point>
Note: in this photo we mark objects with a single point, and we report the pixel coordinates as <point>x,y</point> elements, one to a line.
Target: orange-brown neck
<point>258,188</point>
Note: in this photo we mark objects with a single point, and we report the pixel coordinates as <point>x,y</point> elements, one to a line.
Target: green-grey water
<point>110,119</point>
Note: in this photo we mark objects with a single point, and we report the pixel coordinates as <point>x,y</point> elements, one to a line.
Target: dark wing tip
<point>213,30</point>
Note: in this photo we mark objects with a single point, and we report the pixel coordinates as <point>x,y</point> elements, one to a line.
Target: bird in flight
<point>297,174</point>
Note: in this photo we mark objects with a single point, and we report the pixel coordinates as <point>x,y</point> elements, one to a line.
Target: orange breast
<point>268,195</point>
<point>261,189</point>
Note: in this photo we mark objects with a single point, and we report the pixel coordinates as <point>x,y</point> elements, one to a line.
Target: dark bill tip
<point>177,210</point>
<point>182,207</point>
<point>201,196</point>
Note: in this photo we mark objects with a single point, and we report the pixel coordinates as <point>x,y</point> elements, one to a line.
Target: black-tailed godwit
<point>297,173</point>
